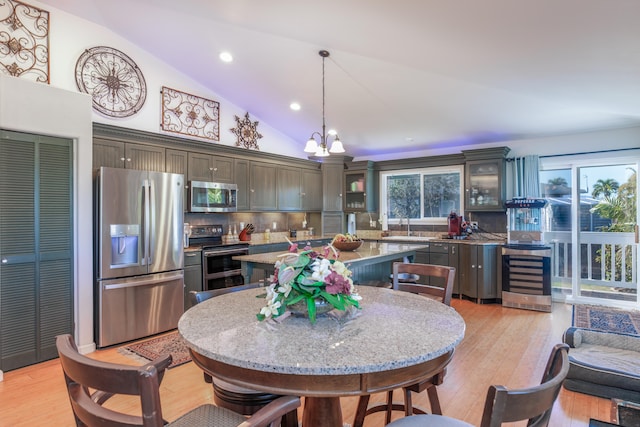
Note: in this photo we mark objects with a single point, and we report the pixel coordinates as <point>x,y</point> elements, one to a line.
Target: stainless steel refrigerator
<point>139,254</point>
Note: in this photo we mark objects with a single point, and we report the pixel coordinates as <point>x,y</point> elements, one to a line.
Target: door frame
<point>575,164</point>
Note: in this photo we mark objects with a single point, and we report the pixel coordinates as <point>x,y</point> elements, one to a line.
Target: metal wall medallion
<point>247,132</point>
<point>24,41</point>
<point>189,114</point>
<point>113,80</point>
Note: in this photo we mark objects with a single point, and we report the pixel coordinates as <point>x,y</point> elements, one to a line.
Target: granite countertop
<point>369,250</point>
<point>426,239</point>
<point>275,238</point>
<point>225,329</point>
<point>281,237</point>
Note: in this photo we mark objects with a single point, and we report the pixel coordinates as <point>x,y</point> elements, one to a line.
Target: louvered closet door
<point>36,247</point>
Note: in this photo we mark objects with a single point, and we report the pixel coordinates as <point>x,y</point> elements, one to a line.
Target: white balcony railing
<point>607,259</point>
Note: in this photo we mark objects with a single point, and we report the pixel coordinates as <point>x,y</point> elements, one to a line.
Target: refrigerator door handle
<point>151,211</point>
<point>146,219</point>
<point>153,281</point>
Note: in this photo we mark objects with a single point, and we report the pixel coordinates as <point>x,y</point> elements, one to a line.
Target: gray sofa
<point>604,364</point>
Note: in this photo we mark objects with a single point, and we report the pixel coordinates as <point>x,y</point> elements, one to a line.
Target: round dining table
<point>395,339</point>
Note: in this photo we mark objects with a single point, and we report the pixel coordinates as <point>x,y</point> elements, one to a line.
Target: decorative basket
<point>347,246</point>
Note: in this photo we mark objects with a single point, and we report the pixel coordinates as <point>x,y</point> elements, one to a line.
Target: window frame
<point>434,170</point>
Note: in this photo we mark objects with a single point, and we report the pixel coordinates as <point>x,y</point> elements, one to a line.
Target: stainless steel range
<point>219,270</point>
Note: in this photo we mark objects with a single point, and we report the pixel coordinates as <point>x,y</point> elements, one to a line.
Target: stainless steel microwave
<point>212,197</point>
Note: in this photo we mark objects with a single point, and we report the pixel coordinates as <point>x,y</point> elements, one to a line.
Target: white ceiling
<point>403,75</point>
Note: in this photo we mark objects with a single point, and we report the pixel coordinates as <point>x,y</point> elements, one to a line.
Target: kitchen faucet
<point>408,226</point>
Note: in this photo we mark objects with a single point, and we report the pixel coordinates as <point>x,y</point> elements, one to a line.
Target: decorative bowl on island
<point>346,242</point>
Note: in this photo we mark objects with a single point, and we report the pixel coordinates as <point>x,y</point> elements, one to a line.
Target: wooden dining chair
<point>90,383</point>
<point>239,399</point>
<point>503,405</point>
<point>442,289</point>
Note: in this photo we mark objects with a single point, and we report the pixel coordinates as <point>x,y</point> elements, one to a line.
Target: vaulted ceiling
<point>403,76</point>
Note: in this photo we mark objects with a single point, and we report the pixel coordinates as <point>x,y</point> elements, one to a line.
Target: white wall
<point>611,139</point>
<point>41,109</point>
<point>70,36</point>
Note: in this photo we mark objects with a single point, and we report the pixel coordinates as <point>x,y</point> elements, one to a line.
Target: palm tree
<point>621,209</point>
<point>556,187</point>
<point>557,181</point>
<point>606,187</point>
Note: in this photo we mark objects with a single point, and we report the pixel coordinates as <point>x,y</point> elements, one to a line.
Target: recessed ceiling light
<point>332,132</point>
<point>295,106</point>
<point>408,139</point>
<point>226,57</point>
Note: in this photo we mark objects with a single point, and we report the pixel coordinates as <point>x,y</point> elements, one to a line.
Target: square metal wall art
<point>24,41</point>
<point>191,115</point>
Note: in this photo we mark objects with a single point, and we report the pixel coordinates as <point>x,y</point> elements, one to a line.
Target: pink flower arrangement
<point>308,276</point>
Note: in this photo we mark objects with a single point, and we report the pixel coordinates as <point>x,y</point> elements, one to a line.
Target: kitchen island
<point>371,261</point>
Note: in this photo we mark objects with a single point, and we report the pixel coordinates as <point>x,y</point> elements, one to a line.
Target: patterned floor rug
<point>606,319</point>
<point>171,343</point>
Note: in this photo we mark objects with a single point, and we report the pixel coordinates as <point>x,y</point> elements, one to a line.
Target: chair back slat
<point>441,293</point>
<point>90,382</point>
<point>196,297</point>
<point>533,404</point>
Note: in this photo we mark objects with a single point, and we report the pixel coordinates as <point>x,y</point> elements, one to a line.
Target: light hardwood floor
<point>501,346</point>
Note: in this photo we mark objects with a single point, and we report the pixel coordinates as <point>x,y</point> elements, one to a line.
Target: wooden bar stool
<point>406,277</point>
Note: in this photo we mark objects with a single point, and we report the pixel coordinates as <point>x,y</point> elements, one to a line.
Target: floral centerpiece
<point>309,277</point>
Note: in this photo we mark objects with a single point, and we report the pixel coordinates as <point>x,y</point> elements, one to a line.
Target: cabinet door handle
<point>479,266</point>
<point>473,266</point>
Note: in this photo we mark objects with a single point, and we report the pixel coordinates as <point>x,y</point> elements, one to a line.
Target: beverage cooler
<point>526,261</point>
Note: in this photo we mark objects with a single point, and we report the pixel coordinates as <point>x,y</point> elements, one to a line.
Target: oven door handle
<point>227,252</point>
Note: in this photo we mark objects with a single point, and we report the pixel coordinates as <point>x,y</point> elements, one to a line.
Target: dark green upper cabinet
<point>361,189</point>
<point>289,189</point>
<point>117,154</point>
<point>485,179</point>
<point>210,168</point>
<point>263,189</point>
<point>299,189</point>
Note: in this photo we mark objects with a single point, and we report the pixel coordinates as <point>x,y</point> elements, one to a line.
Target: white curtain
<point>524,173</point>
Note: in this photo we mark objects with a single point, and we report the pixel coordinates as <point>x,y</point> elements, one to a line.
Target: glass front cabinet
<point>484,183</point>
<point>360,189</point>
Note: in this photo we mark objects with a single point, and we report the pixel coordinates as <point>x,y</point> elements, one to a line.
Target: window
<point>425,196</point>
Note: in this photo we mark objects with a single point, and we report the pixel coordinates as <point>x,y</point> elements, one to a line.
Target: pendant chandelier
<point>320,149</point>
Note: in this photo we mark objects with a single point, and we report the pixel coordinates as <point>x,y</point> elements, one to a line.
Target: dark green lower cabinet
<point>478,272</point>
<point>192,275</point>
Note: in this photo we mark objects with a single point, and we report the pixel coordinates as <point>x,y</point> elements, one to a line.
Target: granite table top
<point>392,330</point>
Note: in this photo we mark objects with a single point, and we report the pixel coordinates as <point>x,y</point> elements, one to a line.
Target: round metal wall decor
<point>113,80</point>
